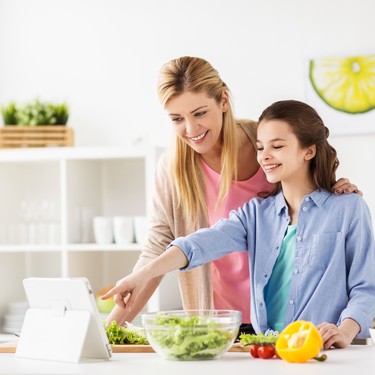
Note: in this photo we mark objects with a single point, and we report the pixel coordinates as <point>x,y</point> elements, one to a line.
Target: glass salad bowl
<point>191,334</point>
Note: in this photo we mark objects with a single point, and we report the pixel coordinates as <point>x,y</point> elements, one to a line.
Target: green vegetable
<point>190,338</point>
<point>120,335</point>
<point>260,339</point>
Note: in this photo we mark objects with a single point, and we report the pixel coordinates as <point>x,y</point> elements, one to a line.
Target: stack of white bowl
<point>13,319</point>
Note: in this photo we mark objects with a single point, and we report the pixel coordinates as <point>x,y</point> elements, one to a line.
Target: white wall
<point>103,56</point>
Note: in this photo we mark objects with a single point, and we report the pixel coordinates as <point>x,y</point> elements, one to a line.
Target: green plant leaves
<point>35,113</point>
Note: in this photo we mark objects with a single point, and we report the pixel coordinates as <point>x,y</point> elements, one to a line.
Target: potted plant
<point>35,124</point>
<point>35,113</point>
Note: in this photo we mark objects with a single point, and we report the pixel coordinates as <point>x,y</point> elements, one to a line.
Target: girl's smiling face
<point>198,120</point>
<point>280,154</point>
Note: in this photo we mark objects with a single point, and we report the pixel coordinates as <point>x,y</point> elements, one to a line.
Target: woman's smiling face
<point>198,119</point>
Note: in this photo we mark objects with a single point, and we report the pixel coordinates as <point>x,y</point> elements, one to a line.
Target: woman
<point>312,253</point>
<point>210,170</point>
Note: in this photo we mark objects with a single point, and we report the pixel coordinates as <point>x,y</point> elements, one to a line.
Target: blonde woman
<point>211,169</point>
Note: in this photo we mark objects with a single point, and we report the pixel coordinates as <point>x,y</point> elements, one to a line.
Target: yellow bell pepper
<point>299,342</point>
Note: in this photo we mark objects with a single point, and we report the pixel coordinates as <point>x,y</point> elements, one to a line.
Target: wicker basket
<point>36,136</point>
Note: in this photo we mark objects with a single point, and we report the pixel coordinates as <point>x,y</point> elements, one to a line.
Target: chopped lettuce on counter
<point>190,338</point>
<point>268,338</point>
<point>121,335</point>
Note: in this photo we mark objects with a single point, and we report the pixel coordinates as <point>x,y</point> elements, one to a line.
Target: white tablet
<point>63,322</point>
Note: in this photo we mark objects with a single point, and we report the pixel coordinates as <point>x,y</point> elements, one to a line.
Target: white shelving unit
<point>48,198</point>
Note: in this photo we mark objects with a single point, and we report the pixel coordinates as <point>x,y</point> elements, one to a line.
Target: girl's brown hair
<point>196,75</point>
<point>310,130</point>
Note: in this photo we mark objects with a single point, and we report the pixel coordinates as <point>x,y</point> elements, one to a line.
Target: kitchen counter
<point>358,359</point>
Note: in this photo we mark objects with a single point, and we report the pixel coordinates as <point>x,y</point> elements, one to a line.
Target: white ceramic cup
<point>103,232</point>
<point>140,228</point>
<point>123,229</point>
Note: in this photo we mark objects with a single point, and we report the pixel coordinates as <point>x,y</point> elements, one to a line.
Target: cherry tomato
<point>254,351</point>
<point>266,351</point>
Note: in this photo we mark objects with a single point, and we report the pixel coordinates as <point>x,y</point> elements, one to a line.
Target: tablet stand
<point>63,322</point>
<point>57,334</point>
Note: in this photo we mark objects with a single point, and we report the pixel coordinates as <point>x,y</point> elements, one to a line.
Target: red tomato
<point>254,351</point>
<point>266,351</point>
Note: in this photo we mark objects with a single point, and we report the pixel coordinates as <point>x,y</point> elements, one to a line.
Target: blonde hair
<point>196,75</point>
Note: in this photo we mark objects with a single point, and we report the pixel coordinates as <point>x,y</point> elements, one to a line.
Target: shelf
<point>70,248</point>
<point>97,247</point>
<point>30,248</point>
<point>69,153</point>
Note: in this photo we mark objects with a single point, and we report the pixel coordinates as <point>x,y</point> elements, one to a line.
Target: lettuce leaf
<point>270,337</point>
<point>121,335</point>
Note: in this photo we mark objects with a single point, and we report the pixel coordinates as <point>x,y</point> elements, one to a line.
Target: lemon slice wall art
<point>345,87</point>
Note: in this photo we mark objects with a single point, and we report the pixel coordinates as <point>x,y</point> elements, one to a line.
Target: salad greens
<point>190,338</point>
<point>120,335</point>
<point>269,338</point>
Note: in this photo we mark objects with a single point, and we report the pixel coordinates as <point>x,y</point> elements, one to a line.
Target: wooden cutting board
<point>148,348</point>
<point>10,347</point>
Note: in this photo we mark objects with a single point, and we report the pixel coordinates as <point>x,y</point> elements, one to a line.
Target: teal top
<point>277,289</point>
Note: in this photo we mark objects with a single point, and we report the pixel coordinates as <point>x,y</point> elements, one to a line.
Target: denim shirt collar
<point>318,196</point>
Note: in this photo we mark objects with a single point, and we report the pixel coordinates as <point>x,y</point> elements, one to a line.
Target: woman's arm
<point>159,235</point>
<point>127,290</point>
<point>122,314</point>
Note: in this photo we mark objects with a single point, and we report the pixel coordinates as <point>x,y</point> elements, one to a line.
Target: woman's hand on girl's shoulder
<point>344,186</point>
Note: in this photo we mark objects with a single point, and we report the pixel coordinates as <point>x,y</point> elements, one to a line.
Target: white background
<point>102,57</point>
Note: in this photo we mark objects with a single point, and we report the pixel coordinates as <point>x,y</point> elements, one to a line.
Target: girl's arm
<point>341,336</point>
<point>226,236</point>
<point>357,316</point>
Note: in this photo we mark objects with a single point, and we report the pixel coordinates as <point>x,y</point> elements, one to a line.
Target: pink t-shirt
<point>230,274</point>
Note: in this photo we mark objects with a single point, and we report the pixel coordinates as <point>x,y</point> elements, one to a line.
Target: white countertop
<point>352,360</point>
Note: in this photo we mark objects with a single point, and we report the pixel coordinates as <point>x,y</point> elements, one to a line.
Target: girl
<point>311,252</point>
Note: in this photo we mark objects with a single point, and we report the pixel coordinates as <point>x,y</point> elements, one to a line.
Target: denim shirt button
<point>307,199</point>
<point>296,271</point>
<point>299,238</point>
<point>304,209</point>
<point>291,302</point>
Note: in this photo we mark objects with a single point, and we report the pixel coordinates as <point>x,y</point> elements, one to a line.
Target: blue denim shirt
<point>334,262</point>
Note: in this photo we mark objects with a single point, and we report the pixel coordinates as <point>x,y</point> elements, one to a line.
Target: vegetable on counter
<point>190,338</point>
<point>299,342</point>
<point>121,335</point>
<point>262,345</point>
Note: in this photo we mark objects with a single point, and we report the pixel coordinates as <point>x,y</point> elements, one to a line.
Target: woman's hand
<point>343,185</point>
<point>338,337</point>
<point>126,291</point>
<point>134,290</point>
<point>122,315</point>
